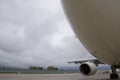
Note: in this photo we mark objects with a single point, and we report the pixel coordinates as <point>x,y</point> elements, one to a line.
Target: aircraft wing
<point>96,61</point>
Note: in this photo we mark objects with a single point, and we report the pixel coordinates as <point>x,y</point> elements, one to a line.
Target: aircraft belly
<point>97,25</point>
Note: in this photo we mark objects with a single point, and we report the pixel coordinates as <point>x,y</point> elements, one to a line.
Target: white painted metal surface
<point>97,25</point>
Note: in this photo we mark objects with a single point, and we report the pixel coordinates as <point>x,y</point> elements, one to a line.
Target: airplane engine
<point>88,68</point>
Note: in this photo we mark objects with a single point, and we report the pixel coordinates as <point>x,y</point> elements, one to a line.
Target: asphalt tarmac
<point>75,76</point>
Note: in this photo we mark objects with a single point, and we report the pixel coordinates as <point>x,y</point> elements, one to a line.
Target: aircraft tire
<point>114,76</point>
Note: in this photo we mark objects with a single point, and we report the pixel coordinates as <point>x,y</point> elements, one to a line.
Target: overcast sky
<point>36,32</point>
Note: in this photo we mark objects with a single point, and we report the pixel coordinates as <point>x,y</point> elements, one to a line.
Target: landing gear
<point>114,74</point>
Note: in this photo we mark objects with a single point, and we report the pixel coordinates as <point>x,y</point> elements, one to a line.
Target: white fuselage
<point>97,25</point>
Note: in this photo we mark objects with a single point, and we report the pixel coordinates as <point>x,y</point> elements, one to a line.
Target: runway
<point>76,76</point>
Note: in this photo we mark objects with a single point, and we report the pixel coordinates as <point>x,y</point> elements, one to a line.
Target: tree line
<point>42,68</point>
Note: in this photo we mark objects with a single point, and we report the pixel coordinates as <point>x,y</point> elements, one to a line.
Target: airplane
<point>97,25</point>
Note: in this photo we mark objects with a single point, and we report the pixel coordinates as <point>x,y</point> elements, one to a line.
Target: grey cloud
<point>36,32</point>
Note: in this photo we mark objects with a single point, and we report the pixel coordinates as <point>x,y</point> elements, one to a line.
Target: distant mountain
<point>69,68</point>
<point>104,67</point>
